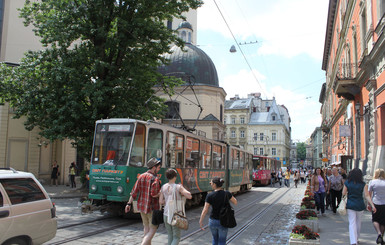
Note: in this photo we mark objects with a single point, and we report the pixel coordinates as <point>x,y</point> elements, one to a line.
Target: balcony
<point>346,84</point>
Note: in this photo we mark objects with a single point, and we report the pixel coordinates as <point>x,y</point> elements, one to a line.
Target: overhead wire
<point>240,49</point>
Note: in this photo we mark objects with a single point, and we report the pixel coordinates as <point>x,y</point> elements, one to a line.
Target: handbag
<point>342,207</point>
<point>157,217</point>
<point>226,215</point>
<point>179,218</point>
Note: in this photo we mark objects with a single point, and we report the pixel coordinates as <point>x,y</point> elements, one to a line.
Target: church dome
<point>191,62</point>
<point>185,24</point>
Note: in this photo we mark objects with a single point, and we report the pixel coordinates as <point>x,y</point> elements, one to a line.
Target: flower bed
<point>305,214</point>
<point>308,202</point>
<point>301,234</point>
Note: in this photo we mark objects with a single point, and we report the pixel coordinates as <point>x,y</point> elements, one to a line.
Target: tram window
<point>192,152</point>
<point>1,199</point>
<point>217,156</point>
<point>235,158</point>
<point>154,143</point>
<point>174,150</point>
<point>206,155</point>
<point>241,160</point>
<point>137,153</point>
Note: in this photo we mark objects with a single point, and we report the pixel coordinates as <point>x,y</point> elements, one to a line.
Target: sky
<point>282,41</point>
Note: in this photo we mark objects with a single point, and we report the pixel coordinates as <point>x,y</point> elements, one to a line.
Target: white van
<point>27,215</point>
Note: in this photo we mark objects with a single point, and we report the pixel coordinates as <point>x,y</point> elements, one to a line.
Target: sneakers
<point>379,240</point>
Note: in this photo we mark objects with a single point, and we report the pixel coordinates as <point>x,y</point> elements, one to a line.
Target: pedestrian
<point>335,189</point>
<point>377,192</point>
<point>55,173</point>
<point>302,176</point>
<point>318,187</point>
<point>272,178</point>
<point>279,176</point>
<point>328,195</point>
<point>354,187</point>
<point>167,194</point>
<point>287,178</point>
<point>73,174</point>
<point>147,189</point>
<point>216,199</point>
<point>296,178</point>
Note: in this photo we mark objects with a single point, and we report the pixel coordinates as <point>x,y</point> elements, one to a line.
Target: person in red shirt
<point>147,189</point>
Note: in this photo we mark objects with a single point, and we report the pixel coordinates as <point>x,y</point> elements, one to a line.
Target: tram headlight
<point>94,188</point>
<point>119,189</point>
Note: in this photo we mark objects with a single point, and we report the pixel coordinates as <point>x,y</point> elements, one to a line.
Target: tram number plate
<point>106,188</point>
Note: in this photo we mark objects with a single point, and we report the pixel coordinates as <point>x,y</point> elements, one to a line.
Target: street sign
<point>325,160</point>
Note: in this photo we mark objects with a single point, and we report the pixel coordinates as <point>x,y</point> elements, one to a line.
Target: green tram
<point>122,147</point>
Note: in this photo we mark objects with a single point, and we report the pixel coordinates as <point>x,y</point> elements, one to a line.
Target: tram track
<point>237,211</point>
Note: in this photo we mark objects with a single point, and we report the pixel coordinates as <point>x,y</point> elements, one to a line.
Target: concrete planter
<point>311,223</point>
<point>296,241</point>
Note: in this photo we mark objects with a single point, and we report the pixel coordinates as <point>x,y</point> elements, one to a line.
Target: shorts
<point>147,219</point>
<point>379,216</point>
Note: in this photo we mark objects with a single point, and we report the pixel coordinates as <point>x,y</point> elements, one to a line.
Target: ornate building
<point>260,126</point>
<point>353,96</point>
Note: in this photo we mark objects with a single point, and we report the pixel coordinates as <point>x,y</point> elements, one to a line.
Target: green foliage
<point>301,151</point>
<point>100,61</point>
<point>83,176</point>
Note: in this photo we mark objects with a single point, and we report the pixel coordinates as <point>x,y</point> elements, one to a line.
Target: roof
<point>185,24</point>
<point>210,117</point>
<point>329,32</point>
<point>238,104</point>
<point>193,63</point>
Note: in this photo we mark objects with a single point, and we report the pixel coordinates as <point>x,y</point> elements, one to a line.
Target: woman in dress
<point>377,192</point>
<point>166,199</point>
<point>216,199</point>
<point>354,187</point>
<point>318,187</point>
<point>54,173</point>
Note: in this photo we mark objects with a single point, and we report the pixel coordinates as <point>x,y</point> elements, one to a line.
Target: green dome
<point>191,61</point>
<point>185,24</point>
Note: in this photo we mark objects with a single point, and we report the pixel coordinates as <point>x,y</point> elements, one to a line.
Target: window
<point>235,158</point>
<point>255,151</point>
<point>206,155</point>
<point>1,20</point>
<point>217,156</point>
<point>224,121</point>
<point>273,136</point>
<point>22,190</point>
<point>242,134</point>
<point>363,26</point>
<point>1,200</point>
<point>242,120</point>
<point>221,113</point>
<point>173,110</point>
<point>273,117</point>
<point>261,136</point>
<point>241,160</point>
<point>184,36</point>
<point>273,151</point>
<point>192,151</point>
<point>137,153</point>
<point>255,136</point>
<point>174,150</point>
<point>169,24</point>
<point>233,120</point>
<point>155,143</point>
<point>189,37</point>
<point>232,133</point>
<point>261,151</point>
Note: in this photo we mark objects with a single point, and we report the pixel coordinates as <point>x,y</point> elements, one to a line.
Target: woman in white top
<point>166,199</point>
<point>377,192</point>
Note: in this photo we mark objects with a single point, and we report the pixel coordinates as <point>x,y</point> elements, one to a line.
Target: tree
<point>100,61</point>
<point>301,151</point>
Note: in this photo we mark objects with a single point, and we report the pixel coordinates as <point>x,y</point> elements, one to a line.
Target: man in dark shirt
<point>272,178</point>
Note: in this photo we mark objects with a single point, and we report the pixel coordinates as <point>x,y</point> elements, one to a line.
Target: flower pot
<point>296,241</point>
<point>311,223</point>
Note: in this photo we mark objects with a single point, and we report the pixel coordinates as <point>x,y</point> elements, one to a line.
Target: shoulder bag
<point>179,218</point>
<point>342,207</point>
<point>226,215</point>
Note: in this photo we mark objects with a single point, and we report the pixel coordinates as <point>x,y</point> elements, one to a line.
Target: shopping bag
<point>342,207</point>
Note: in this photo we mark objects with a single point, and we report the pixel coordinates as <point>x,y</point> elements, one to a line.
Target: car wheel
<point>16,241</point>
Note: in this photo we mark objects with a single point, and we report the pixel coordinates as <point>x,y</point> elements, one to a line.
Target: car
<point>27,214</point>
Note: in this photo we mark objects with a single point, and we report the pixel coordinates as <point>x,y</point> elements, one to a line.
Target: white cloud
<point>282,27</point>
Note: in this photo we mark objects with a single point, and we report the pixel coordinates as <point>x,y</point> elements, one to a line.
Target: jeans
<point>218,232</point>
<point>173,232</point>
<point>335,195</point>
<point>280,182</point>
<point>320,201</point>
<point>272,182</point>
<point>354,225</point>
<point>287,182</point>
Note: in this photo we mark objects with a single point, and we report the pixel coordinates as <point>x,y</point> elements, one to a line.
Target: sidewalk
<point>63,191</point>
<point>334,229</point>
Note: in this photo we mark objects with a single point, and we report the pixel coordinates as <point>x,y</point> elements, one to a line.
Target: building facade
<point>260,126</point>
<point>316,145</point>
<point>353,96</point>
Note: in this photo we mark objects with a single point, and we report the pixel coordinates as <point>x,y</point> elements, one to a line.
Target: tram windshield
<point>112,144</point>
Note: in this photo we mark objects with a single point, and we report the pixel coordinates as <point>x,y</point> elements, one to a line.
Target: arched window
<point>189,37</point>
<point>183,35</point>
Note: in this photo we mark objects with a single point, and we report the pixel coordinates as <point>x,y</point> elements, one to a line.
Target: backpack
<point>226,215</point>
